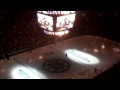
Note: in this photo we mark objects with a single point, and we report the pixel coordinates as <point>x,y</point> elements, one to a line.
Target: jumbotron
<point>56,12</point>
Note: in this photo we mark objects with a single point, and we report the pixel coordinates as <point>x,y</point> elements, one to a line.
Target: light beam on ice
<point>79,56</point>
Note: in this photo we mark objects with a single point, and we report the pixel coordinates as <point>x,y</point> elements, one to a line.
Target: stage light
<point>81,57</point>
<point>56,22</point>
<point>95,50</point>
<point>102,46</point>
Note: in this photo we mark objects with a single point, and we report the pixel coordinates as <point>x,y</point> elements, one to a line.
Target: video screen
<point>65,22</point>
<point>45,22</point>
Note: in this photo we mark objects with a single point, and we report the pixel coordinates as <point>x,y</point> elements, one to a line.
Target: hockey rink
<point>81,57</point>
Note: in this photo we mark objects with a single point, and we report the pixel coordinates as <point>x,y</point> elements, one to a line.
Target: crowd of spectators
<point>99,23</point>
<point>21,31</point>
